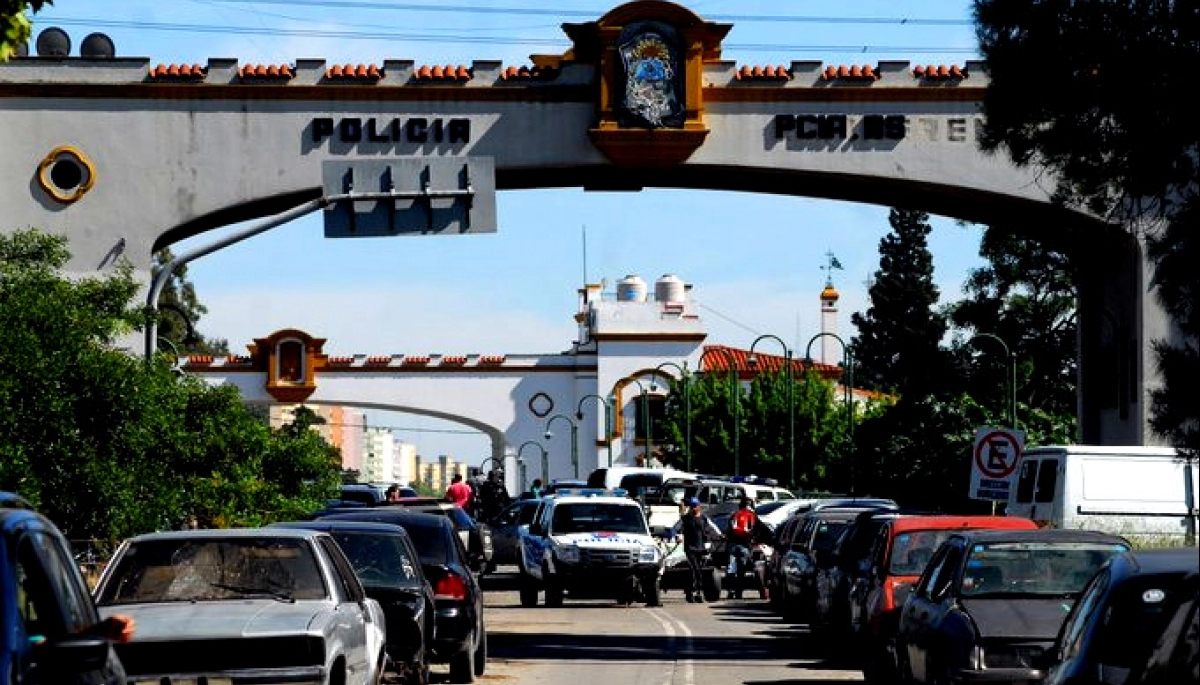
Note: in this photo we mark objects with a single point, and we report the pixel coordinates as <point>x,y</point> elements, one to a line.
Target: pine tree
<point>897,346</point>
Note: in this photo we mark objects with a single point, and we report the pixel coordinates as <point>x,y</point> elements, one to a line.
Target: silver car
<point>243,605</point>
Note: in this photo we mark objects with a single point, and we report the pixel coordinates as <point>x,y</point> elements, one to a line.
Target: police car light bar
<point>592,492</point>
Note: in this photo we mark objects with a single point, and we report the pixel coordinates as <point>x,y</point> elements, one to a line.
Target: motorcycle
<point>677,575</point>
<point>754,570</point>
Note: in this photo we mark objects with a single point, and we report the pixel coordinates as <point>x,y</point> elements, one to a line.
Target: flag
<point>834,263</point>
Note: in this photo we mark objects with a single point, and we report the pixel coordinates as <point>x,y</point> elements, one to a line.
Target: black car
<point>476,535</point>
<point>1113,627</point>
<point>389,568</point>
<point>46,614</point>
<point>507,530</point>
<point>990,603</point>
<point>460,636</point>
<point>1175,658</point>
<point>843,566</point>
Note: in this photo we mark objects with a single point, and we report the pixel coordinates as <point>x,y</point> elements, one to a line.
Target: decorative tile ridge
<point>526,73</point>
<point>426,72</point>
<point>235,359</point>
<point>852,72</point>
<point>198,360</point>
<point>763,73</point>
<point>266,72</point>
<point>492,359</point>
<point>340,361</point>
<point>178,72</point>
<point>454,359</point>
<point>416,360</point>
<point>941,72</point>
<point>354,72</point>
<point>379,360</point>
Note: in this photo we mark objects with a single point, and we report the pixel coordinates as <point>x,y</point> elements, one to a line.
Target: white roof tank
<point>670,288</point>
<point>632,288</point>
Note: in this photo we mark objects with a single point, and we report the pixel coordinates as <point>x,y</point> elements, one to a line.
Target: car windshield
<point>594,518</point>
<point>1043,567</point>
<point>198,570</point>
<point>379,560</point>
<point>911,551</point>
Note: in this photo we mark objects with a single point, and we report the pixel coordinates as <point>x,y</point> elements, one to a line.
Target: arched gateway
<point>126,157</point>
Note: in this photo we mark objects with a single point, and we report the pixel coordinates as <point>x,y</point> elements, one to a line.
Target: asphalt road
<point>595,642</point>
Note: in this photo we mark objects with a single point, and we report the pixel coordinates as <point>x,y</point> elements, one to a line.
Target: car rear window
<point>912,550</point>
<point>427,532</point>
<point>379,560</point>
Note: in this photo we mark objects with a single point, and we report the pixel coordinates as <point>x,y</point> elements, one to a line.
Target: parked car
<point>389,567</point>
<point>461,635</point>
<point>507,528</point>
<point>46,613</point>
<point>1175,659</point>
<point>476,535</point>
<point>990,602</point>
<point>1113,628</point>
<point>902,548</point>
<point>243,605</point>
<point>794,573</point>
<point>842,567</point>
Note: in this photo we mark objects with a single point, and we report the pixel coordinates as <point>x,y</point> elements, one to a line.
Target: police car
<point>590,543</point>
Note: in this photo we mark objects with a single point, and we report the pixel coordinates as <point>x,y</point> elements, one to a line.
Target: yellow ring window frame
<point>61,154</point>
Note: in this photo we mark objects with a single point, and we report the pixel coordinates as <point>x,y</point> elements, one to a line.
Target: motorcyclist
<point>741,537</point>
<point>695,530</point>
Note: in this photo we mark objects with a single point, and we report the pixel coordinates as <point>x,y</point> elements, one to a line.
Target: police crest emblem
<point>653,79</point>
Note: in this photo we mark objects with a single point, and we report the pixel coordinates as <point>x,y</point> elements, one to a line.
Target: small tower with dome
<point>829,310</point>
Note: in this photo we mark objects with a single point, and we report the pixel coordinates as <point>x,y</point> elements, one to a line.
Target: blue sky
<point>754,260</point>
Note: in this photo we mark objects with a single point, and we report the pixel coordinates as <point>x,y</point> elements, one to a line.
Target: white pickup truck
<point>590,543</point>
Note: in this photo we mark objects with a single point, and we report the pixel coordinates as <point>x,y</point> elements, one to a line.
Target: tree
<point>1026,297</point>
<point>180,310</point>
<point>897,346</point>
<point>109,445</point>
<point>14,25</point>
<point>1122,143</point>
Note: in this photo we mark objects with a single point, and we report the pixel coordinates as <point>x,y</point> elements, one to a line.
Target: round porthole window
<point>66,174</point>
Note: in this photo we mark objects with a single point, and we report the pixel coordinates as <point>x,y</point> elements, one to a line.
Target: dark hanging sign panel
<point>410,196</point>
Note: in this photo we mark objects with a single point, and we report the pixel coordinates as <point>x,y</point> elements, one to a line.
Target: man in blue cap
<point>696,529</point>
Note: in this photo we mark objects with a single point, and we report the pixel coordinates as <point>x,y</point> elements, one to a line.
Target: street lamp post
<point>736,399</point>
<point>1011,381</point>
<point>607,420</point>
<point>574,438</point>
<point>791,402</point>
<point>687,411</point>
<point>847,388</point>
<point>545,462</point>
<point>645,419</point>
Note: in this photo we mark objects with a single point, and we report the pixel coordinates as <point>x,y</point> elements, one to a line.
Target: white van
<point>661,490</point>
<point>1138,492</point>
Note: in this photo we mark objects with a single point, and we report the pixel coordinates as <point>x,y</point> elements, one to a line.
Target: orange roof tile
<point>379,359</point>
<point>454,359</point>
<point>341,361</point>
<point>760,73</point>
<point>940,72</point>
<point>416,360</point>
<point>439,72</point>
<point>719,358</point>
<point>190,72</point>
<point>266,71</point>
<point>492,359</point>
<point>352,72</point>
<point>852,72</point>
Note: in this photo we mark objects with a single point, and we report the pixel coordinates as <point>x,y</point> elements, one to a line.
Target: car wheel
<point>462,666</point>
<point>711,585</point>
<point>529,591</point>
<point>652,591</point>
<point>554,588</point>
<point>481,653</point>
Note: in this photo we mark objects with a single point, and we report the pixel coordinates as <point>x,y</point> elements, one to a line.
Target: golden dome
<point>829,293</point>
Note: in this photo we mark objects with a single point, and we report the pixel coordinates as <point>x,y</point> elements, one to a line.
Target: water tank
<point>670,288</point>
<point>631,289</point>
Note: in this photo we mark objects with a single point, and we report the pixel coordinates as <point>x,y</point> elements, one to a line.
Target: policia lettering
<point>830,126</point>
<point>413,130</point>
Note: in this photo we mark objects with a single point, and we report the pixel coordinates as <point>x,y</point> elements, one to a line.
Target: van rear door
<point>1036,495</point>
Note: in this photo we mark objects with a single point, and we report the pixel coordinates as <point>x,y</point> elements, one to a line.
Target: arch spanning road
<point>198,147</point>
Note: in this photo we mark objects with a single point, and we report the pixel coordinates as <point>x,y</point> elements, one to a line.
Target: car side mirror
<point>70,655</point>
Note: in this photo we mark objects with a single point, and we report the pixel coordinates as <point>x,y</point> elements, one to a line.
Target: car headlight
<point>977,659</point>
<point>568,554</point>
<point>649,555</point>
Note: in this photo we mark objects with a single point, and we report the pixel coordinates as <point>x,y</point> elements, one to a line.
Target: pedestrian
<point>536,488</point>
<point>695,530</point>
<point>494,495</point>
<point>393,493</point>
<point>459,492</point>
<point>741,538</point>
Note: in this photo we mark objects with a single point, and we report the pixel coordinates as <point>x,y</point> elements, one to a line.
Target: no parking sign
<point>994,461</point>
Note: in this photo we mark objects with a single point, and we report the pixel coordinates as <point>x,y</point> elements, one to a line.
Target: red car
<point>902,548</point>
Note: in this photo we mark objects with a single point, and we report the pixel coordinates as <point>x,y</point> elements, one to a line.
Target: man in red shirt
<point>740,538</point>
<point>459,492</point>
